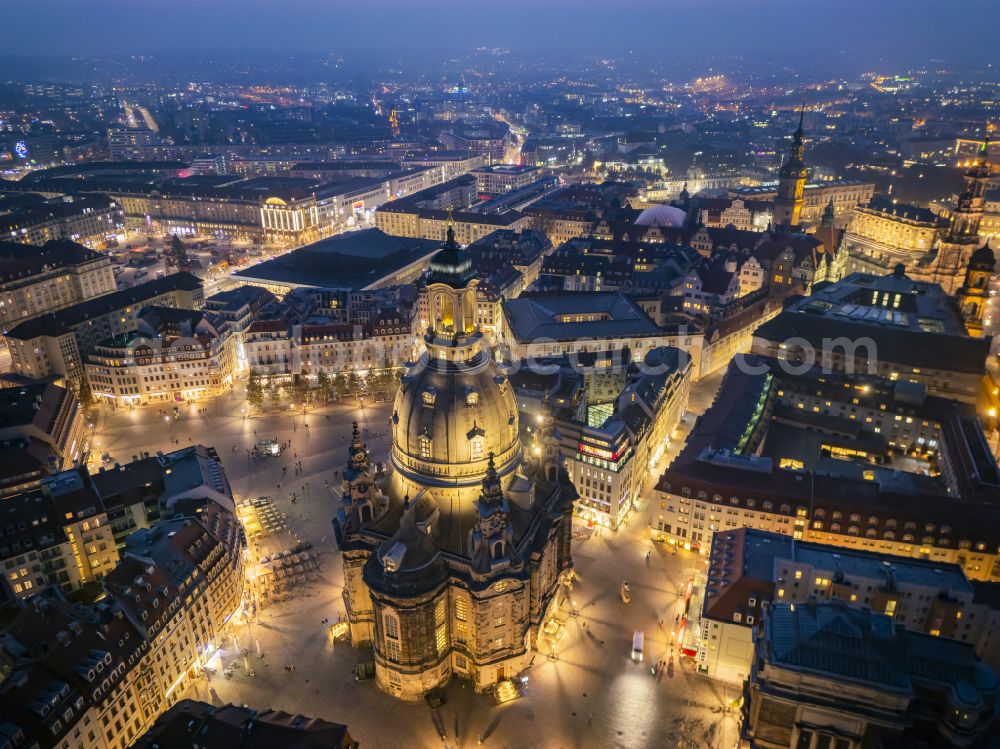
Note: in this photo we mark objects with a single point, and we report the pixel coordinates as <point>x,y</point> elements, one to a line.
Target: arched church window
<point>476,444</point>
<point>391,626</point>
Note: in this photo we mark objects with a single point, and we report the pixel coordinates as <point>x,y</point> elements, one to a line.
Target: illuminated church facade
<point>453,551</point>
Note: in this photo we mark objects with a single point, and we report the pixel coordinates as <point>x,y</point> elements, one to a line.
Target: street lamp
<point>995,430</point>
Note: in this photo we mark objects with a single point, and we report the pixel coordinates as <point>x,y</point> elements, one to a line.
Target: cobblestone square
<point>583,690</point>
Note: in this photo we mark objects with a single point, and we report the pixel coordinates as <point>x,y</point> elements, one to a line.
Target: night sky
<point>822,34</point>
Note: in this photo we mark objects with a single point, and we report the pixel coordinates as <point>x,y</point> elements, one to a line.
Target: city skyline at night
<point>559,373</point>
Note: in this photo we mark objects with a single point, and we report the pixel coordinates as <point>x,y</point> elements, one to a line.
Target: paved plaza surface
<point>582,691</point>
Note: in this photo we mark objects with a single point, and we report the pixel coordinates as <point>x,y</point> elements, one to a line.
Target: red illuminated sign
<point>590,450</point>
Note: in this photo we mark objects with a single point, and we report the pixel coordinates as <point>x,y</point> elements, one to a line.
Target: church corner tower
<point>453,554</point>
<point>974,294</point>
<point>956,248</point>
<point>792,182</point>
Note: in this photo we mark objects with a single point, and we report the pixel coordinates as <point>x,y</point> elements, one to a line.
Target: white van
<point>637,642</point>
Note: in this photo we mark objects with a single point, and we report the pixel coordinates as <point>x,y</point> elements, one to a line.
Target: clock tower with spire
<point>792,183</point>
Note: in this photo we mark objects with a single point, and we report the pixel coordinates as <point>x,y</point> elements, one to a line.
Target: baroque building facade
<point>882,235</point>
<point>454,550</point>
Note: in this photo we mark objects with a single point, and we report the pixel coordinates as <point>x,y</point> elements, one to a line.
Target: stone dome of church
<point>447,419</point>
<point>454,406</point>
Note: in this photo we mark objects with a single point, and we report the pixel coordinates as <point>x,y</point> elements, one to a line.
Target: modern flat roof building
<point>854,461</point>
<point>891,326</point>
<point>546,325</point>
<point>501,178</point>
<point>614,421</point>
<point>565,317</point>
<point>354,261</point>
<point>269,208</point>
<point>79,218</point>
<point>452,163</point>
<point>429,214</point>
<point>749,569</point>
